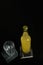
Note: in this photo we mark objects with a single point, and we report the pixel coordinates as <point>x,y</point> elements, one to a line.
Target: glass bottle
<point>25,40</point>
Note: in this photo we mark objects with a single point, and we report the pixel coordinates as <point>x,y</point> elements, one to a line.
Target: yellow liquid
<point>26,42</point>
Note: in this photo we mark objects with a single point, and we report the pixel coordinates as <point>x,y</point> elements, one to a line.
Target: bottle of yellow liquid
<point>25,40</point>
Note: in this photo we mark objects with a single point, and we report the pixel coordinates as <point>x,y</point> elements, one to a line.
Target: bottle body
<point>26,42</point>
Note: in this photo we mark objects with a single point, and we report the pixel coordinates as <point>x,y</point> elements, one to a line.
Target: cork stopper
<point>25,28</point>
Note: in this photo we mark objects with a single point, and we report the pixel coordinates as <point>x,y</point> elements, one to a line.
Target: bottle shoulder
<point>26,38</point>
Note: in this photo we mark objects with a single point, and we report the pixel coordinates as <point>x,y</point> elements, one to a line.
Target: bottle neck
<point>25,33</point>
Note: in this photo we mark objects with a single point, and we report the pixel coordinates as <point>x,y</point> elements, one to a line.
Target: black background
<point>13,31</point>
<point>5,4</point>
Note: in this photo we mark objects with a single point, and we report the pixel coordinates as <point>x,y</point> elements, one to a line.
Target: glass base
<point>9,58</point>
<point>28,55</point>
